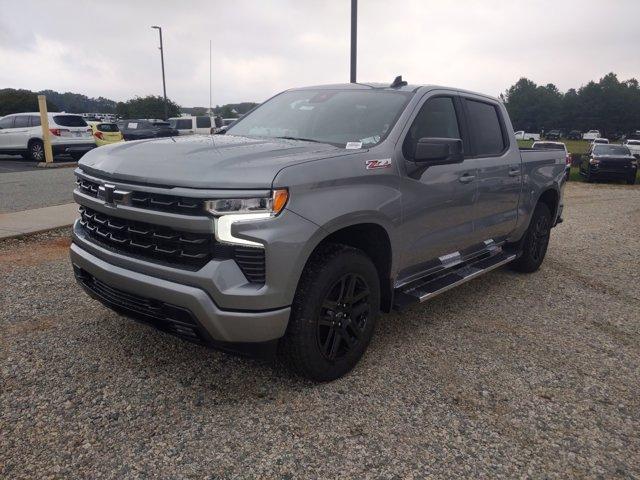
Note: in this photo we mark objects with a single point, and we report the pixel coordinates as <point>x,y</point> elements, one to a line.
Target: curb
<point>57,164</point>
<point>27,222</point>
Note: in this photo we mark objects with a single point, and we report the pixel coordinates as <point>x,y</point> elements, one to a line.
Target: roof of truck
<point>387,86</point>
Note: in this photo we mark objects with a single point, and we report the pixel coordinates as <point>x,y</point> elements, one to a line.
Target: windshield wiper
<point>302,139</point>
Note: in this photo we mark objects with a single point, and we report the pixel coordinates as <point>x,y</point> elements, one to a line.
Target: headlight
<point>234,210</point>
<point>272,205</point>
<point>594,161</point>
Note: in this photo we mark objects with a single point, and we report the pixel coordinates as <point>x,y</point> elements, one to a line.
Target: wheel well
<point>32,140</point>
<point>550,199</point>
<point>373,240</point>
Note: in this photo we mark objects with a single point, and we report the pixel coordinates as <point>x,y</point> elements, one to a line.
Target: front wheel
<point>631,180</point>
<point>333,314</point>
<point>535,242</point>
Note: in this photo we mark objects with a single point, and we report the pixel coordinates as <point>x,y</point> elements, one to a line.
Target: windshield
<point>360,118</point>
<point>610,150</point>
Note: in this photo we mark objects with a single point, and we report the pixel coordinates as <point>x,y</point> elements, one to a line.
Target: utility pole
<point>354,38</point>
<point>210,104</point>
<point>164,85</point>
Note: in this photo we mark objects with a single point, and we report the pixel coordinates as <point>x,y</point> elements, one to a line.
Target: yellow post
<point>46,135</point>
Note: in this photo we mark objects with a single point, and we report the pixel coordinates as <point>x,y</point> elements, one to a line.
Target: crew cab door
<point>437,200</point>
<point>498,165</point>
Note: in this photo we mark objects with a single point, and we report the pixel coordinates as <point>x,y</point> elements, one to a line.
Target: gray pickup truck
<point>318,210</point>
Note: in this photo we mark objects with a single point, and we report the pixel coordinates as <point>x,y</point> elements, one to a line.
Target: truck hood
<point>204,161</point>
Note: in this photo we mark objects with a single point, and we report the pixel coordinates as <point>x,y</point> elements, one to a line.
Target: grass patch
<point>579,147</point>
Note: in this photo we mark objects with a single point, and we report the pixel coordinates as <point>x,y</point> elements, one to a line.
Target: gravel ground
<point>509,376</point>
<point>36,188</point>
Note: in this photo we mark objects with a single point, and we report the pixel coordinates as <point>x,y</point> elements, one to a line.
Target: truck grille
<point>156,243</point>
<point>166,246</point>
<point>151,201</point>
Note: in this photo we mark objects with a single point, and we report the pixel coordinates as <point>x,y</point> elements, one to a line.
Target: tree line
<point>151,106</point>
<point>609,105</point>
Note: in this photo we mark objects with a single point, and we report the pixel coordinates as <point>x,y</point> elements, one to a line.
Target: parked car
<point>574,135</point>
<point>545,145</point>
<point>193,125</point>
<point>21,134</point>
<point>522,135</point>
<point>591,135</point>
<point>317,210</point>
<point>226,123</point>
<point>634,147</point>
<point>600,141</point>
<point>553,135</point>
<point>105,133</point>
<point>140,129</point>
<point>609,162</point>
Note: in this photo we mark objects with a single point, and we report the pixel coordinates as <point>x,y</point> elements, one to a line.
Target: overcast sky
<point>108,49</point>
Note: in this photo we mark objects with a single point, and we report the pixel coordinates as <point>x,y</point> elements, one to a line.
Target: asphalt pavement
<point>35,188</point>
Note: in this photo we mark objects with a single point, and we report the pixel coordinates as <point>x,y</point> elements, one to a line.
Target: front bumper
<point>138,295</point>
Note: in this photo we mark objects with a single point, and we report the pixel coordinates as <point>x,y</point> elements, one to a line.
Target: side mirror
<point>217,121</point>
<point>438,151</point>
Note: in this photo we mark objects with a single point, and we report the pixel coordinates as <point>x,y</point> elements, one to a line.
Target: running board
<point>428,287</point>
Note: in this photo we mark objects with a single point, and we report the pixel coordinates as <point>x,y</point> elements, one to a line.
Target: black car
<point>609,162</point>
<point>553,135</point>
<point>139,129</point>
<point>574,135</point>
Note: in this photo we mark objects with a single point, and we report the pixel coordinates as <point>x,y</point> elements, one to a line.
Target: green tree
<point>151,106</point>
<point>16,101</point>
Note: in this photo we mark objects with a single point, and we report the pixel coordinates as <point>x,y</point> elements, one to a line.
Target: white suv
<point>21,134</point>
<point>192,125</point>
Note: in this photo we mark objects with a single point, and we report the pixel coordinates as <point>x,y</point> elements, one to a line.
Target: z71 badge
<point>375,164</point>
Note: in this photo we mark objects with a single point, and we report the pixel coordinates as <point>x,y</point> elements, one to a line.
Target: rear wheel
<point>333,314</point>
<point>631,180</point>
<point>535,242</point>
<point>36,150</point>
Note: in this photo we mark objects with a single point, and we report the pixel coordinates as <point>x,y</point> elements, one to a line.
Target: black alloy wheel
<point>343,316</point>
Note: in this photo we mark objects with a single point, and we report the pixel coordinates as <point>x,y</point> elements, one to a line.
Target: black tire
<point>631,180</point>
<point>36,151</point>
<point>77,156</point>
<point>330,329</point>
<point>589,177</point>
<point>535,242</point>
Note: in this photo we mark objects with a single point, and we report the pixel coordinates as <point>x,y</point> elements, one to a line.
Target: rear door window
<point>203,122</point>
<point>69,120</point>
<point>35,121</point>
<point>486,128</point>
<point>181,124</point>
<point>22,121</point>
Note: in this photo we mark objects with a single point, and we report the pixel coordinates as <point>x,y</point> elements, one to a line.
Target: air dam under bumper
<point>220,325</point>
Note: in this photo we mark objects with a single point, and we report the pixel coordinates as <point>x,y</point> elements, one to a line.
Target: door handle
<point>466,178</point>
<point>514,172</point>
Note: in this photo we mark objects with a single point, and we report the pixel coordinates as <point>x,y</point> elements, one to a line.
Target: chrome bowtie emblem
<point>113,196</point>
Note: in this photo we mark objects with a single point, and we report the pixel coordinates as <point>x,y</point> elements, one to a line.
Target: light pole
<point>164,85</point>
<point>354,38</point>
